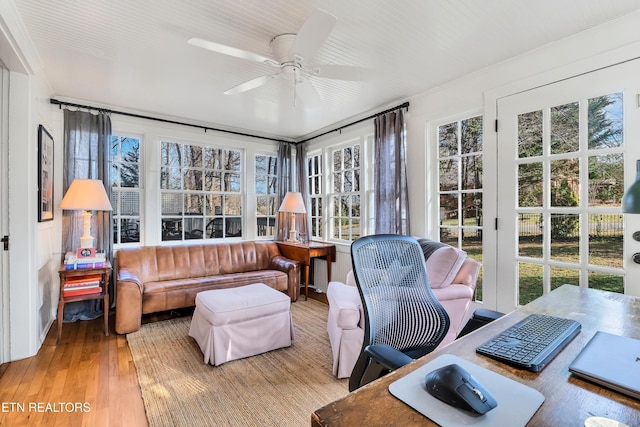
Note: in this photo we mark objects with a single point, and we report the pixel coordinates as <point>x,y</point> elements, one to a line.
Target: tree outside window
<point>200,190</point>
<point>266,188</point>
<point>126,188</point>
<point>344,216</point>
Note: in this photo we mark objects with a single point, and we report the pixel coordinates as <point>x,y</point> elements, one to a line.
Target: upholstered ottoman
<point>233,323</point>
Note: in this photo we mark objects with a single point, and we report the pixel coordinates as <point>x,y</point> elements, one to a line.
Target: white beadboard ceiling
<point>134,55</point>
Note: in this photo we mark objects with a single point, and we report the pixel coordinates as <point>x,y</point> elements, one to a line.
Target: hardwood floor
<point>88,379</point>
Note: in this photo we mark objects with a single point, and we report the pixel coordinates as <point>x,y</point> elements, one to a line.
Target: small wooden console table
<point>66,275</point>
<point>305,252</point>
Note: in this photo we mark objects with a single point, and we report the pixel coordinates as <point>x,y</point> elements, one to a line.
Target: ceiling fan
<point>291,54</point>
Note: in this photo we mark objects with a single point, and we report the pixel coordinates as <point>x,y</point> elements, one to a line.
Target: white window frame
<point>117,214</point>
<point>316,196</point>
<point>270,195</point>
<point>457,157</point>
<point>207,217</point>
<point>435,185</point>
<point>332,193</point>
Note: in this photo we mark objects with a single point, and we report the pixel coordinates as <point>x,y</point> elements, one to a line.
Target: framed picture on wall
<point>45,175</point>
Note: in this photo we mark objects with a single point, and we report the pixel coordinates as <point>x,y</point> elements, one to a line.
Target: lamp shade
<point>631,198</point>
<point>293,203</point>
<point>86,195</point>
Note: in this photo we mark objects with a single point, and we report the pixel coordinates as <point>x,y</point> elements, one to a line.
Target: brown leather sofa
<point>159,278</point>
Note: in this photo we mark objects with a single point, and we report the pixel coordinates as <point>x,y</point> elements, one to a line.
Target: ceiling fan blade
<point>248,85</point>
<point>313,34</point>
<point>344,72</point>
<point>231,51</point>
<point>308,94</point>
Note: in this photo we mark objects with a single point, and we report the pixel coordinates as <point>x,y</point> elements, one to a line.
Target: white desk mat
<point>516,402</point>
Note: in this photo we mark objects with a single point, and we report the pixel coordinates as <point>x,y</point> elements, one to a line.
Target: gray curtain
<point>284,185</point>
<point>302,180</point>
<point>86,155</point>
<point>390,175</point>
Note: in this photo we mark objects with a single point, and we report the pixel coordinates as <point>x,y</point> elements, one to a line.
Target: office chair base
<point>481,317</point>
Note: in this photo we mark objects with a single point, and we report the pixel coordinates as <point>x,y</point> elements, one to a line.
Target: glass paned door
<point>563,153</point>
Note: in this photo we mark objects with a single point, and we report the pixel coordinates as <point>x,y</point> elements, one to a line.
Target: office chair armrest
<point>387,356</point>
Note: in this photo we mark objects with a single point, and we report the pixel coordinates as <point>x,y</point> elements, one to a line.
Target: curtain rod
<point>205,128</point>
<point>175,122</point>
<point>373,116</point>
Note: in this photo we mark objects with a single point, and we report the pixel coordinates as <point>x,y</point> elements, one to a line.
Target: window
<point>314,172</point>
<point>266,187</point>
<point>344,217</point>
<point>201,194</point>
<point>126,188</point>
<point>460,187</point>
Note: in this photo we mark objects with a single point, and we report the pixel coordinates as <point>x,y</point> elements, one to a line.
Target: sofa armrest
<point>292,268</point>
<point>345,305</point>
<point>351,279</point>
<point>468,273</point>
<point>129,289</point>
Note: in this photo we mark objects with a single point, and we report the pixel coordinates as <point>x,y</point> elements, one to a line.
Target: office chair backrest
<point>400,309</point>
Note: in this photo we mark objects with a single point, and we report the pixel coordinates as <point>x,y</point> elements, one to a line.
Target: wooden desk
<point>305,252</point>
<point>65,275</point>
<point>568,400</point>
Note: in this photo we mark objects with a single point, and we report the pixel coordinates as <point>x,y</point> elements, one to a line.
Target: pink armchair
<point>453,280</point>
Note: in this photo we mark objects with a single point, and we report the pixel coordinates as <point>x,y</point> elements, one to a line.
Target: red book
<point>77,292</point>
<point>79,287</point>
<point>83,279</point>
<point>82,285</point>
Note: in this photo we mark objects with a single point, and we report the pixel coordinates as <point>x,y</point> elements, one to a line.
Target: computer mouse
<point>453,385</point>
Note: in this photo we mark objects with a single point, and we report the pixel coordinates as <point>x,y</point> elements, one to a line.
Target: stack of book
<point>73,262</point>
<point>82,285</point>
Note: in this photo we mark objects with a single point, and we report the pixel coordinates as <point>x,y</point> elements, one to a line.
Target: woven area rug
<point>279,388</point>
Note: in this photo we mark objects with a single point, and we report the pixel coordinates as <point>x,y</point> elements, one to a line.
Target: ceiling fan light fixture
<point>291,54</point>
<point>281,47</point>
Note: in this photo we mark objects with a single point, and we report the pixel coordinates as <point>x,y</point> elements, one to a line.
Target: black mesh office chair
<point>403,319</point>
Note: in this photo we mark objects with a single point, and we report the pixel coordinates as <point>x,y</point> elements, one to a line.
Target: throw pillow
<point>443,265</point>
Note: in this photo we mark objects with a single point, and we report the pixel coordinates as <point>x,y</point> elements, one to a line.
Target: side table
<point>305,252</point>
<point>67,275</point>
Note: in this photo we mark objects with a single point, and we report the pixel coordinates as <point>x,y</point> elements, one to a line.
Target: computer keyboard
<point>531,343</point>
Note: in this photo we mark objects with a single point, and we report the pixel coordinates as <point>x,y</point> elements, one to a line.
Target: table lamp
<point>86,195</point>
<point>293,204</point>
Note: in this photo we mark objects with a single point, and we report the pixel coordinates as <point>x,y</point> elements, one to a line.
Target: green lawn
<point>603,251</point>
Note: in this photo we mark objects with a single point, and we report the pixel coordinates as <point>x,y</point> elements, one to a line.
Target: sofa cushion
<point>166,294</point>
<point>273,278</point>
<point>255,301</point>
